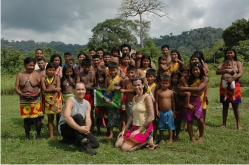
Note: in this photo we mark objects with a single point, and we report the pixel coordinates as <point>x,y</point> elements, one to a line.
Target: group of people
<point>151,99</point>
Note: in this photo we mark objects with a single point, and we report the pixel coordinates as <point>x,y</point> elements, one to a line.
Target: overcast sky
<point>71,21</point>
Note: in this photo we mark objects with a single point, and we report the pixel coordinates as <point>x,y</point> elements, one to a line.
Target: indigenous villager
<point>230,54</point>
<point>28,87</point>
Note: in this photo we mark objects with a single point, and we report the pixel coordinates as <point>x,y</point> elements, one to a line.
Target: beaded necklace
<point>49,80</point>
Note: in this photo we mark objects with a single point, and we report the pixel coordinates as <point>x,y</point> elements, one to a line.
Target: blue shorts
<point>166,120</point>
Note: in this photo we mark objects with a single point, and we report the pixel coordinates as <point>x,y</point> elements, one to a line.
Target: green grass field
<point>220,146</point>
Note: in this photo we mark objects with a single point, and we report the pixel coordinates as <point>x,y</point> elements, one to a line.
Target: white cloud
<point>72,21</point>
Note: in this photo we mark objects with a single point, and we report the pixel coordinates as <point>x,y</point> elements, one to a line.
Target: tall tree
<point>113,32</point>
<point>132,8</point>
<point>238,31</point>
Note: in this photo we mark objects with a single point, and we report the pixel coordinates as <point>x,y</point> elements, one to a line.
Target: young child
<point>100,111</point>
<point>42,72</point>
<point>100,52</point>
<point>71,62</point>
<point>91,52</point>
<point>228,78</point>
<point>68,82</point>
<point>128,91</point>
<point>107,60</point>
<point>125,62</point>
<point>144,66</point>
<point>163,68</point>
<point>42,67</point>
<point>113,82</point>
<point>152,87</point>
<point>176,61</point>
<point>51,87</point>
<point>164,105</point>
<point>139,55</point>
<point>67,56</point>
<point>87,77</point>
<point>183,82</point>
<point>115,55</point>
<point>175,80</point>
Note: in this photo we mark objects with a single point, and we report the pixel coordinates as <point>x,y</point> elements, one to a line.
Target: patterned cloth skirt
<point>139,138</point>
<point>196,113</point>
<point>30,108</point>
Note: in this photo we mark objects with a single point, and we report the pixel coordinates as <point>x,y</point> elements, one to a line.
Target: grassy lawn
<point>223,146</point>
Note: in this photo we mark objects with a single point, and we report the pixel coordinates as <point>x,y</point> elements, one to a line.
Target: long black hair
<point>192,77</point>
<point>64,70</point>
<point>54,56</point>
<point>230,49</point>
<point>143,58</point>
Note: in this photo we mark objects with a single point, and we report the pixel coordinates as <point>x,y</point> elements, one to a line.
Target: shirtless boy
<point>127,90</point>
<point>164,105</point>
<point>87,77</point>
<point>152,87</point>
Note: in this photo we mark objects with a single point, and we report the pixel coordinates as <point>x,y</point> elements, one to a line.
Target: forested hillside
<point>29,46</point>
<point>190,41</point>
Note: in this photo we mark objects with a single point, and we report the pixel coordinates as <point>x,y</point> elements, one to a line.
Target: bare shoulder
<point>148,97</point>
<point>19,75</point>
<point>159,91</point>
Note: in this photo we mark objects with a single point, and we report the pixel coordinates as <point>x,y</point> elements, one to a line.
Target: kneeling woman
<point>139,128</point>
<point>197,84</point>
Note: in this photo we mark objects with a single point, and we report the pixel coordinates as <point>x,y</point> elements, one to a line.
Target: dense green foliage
<point>113,32</point>
<point>190,41</point>
<point>238,31</point>
<point>28,46</point>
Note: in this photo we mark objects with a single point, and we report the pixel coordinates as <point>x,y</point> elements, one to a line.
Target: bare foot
<point>189,106</point>
<point>110,137</point>
<point>239,128</point>
<point>200,140</point>
<point>197,132</point>
<point>193,140</point>
<point>205,126</point>
<point>222,126</point>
